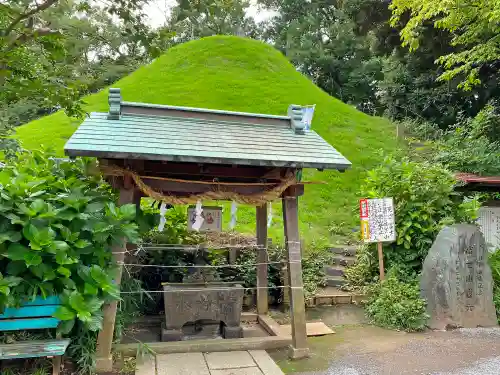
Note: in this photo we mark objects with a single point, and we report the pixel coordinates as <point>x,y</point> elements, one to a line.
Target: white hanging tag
<point>163,211</point>
<point>234,208</point>
<point>198,221</point>
<point>308,116</point>
<point>270,215</point>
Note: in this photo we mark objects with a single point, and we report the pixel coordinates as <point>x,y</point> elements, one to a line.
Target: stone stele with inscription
<point>456,280</point>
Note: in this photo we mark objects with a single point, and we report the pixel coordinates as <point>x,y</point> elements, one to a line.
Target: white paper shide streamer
<point>163,211</point>
<point>198,220</point>
<point>234,209</point>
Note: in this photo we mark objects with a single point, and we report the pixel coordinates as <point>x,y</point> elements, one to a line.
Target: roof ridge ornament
<point>115,102</point>
<point>296,114</point>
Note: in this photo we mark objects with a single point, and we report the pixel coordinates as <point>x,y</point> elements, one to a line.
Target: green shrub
<point>425,201</point>
<point>472,145</point>
<point>313,274</point>
<point>58,224</point>
<point>82,349</point>
<point>313,269</point>
<point>364,270</point>
<point>421,130</point>
<point>494,260</point>
<point>396,304</point>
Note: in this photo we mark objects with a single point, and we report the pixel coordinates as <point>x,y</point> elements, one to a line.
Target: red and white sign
<point>377,220</point>
<point>363,209</point>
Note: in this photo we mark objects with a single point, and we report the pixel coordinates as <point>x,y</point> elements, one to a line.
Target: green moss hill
<point>239,74</point>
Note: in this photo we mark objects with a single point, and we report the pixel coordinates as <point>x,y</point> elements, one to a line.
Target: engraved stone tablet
<point>456,280</point>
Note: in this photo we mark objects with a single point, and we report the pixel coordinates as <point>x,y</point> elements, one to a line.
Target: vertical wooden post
<point>233,252</point>
<point>285,273</point>
<point>381,260</point>
<point>262,257</point>
<point>104,360</point>
<point>299,347</point>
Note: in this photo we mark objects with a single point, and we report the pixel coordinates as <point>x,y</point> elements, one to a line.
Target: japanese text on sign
<point>377,220</point>
<point>212,219</point>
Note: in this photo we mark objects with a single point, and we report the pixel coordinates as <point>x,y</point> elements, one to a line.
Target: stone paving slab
<point>229,360</point>
<point>238,371</point>
<point>265,362</point>
<point>254,362</point>
<point>181,364</point>
<point>146,365</point>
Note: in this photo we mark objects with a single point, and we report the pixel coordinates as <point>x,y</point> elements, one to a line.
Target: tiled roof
<point>155,132</point>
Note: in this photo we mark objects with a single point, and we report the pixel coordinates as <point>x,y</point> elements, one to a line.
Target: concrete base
<point>104,364</point>
<point>249,343</point>
<point>232,332</point>
<point>298,353</point>
<point>171,335</point>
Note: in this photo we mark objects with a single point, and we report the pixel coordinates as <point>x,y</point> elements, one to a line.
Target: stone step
<point>334,296</point>
<point>343,260</point>
<point>335,280</point>
<point>336,270</point>
<point>346,250</point>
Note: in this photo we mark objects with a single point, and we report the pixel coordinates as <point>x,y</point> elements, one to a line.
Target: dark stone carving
<point>456,280</point>
<point>193,302</point>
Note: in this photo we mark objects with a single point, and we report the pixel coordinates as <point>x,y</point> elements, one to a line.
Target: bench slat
<point>29,312</point>
<point>36,323</point>
<point>32,349</point>
<point>40,301</point>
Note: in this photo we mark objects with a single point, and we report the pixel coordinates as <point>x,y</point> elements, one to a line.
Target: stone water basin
<point>197,302</point>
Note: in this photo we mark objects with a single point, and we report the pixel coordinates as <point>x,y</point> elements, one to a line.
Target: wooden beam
<point>262,282</point>
<point>248,343</point>
<point>294,191</point>
<point>104,359</point>
<point>159,168</point>
<point>193,188</point>
<point>299,347</point>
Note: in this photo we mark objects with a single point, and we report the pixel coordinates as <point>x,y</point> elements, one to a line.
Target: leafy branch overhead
<point>58,226</point>
<point>34,44</point>
<point>474,26</point>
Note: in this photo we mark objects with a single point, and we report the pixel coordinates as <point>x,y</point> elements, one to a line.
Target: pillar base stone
<point>232,332</point>
<point>104,364</point>
<point>298,353</point>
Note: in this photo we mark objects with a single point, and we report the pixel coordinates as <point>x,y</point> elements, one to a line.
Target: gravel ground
<point>488,366</point>
<point>461,352</point>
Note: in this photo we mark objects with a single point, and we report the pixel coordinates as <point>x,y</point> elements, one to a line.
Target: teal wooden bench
<point>33,315</point>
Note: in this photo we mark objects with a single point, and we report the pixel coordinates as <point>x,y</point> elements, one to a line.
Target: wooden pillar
<point>284,272</point>
<point>104,360</point>
<point>299,347</point>
<point>262,257</point>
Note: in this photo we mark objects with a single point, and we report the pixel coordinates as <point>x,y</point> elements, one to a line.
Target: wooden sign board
<point>377,220</point>
<point>212,219</point>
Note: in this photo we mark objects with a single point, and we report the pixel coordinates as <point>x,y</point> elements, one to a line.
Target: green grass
<point>239,74</point>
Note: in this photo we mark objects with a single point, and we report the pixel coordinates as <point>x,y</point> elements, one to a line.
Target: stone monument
<point>202,300</point>
<point>456,280</point>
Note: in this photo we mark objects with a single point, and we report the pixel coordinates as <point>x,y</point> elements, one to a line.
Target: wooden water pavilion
<point>181,155</point>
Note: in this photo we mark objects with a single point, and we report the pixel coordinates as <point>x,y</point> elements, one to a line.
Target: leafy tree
<point>409,89</point>
<point>324,41</point>
<point>39,46</point>
<point>193,19</point>
<point>472,144</point>
<point>474,27</point>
